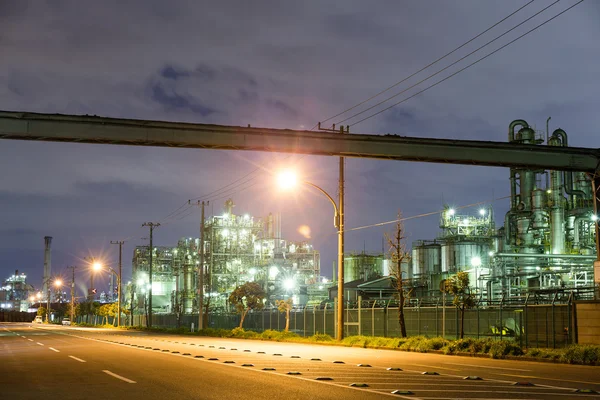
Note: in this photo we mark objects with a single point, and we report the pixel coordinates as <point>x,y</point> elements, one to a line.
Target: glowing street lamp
<point>287,180</point>
<point>98,267</point>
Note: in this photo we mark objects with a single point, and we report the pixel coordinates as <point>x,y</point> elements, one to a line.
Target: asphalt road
<point>48,362</point>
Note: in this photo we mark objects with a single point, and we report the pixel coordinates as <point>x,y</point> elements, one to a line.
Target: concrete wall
<point>588,322</point>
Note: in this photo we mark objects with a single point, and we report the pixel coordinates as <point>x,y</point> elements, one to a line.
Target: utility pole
<point>152,225</point>
<point>120,243</point>
<point>340,225</point>
<point>72,294</point>
<point>340,316</point>
<point>201,268</point>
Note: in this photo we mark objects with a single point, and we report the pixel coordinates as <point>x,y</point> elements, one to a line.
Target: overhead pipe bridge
<point>100,130</point>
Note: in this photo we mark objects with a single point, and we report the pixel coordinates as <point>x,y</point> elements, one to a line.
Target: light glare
<point>287,179</point>
<point>288,284</point>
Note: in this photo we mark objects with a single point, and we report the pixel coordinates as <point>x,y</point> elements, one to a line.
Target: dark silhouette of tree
<point>246,297</point>
<point>285,306</point>
<point>399,255</point>
<point>458,286</point>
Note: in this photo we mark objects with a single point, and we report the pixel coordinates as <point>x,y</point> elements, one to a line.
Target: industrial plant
<point>547,243</point>
<point>237,249</point>
<point>15,293</point>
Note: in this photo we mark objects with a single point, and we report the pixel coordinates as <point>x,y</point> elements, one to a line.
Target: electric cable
<point>423,215</point>
<point>470,65</point>
<point>428,65</point>
<point>450,65</point>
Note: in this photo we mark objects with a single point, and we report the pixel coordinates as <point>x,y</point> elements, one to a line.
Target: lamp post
<point>57,284</point>
<point>98,267</point>
<point>287,180</point>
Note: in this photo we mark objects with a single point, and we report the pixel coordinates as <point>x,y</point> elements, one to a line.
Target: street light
<point>98,267</point>
<point>94,266</point>
<point>287,179</point>
<point>57,283</point>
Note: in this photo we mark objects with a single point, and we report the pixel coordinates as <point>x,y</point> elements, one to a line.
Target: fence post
<point>553,324</point>
<point>457,323</point>
<point>325,317</point>
<point>478,320</point>
<point>304,321</point>
<point>385,319</point>
<point>437,333</point>
<point>315,319</point>
<point>373,319</point>
<point>569,317</point>
<point>501,320</point>
<point>418,317</point>
<point>526,324</point>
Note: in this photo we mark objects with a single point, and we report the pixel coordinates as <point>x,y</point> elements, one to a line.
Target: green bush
<point>581,354</point>
<point>320,337</point>
<point>548,354</point>
<point>501,349</point>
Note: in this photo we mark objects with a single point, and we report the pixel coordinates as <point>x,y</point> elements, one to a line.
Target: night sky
<point>278,64</point>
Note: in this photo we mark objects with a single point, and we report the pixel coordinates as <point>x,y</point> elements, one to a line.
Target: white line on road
<point>117,376</point>
<point>31,340</point>
<point>483,366</point>
<point>53,349</point>
<point>78,359</point>
<point>435,367</point>
<point>39,343</point>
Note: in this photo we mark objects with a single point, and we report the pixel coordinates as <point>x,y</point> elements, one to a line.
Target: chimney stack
<point>47,263</point>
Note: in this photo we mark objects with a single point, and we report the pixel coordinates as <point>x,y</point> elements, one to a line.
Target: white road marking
<point>39,343</point>
<point>483,366</point>
<point>53,349</point>
<point>31,340</point>
<point>433,368</point>
<point>78,359</point>
<point>117,376</point>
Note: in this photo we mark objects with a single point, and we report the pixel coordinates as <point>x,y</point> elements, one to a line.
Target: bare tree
<point>399,255</point>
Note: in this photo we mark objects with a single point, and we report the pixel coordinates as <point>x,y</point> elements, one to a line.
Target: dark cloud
<point>274,64</point>
<point>175,101</point>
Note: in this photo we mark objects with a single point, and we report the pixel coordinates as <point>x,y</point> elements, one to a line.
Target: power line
<point>430,64</point>
<point>470,65</point>
<point>422,215</point>
<point>450,65</point>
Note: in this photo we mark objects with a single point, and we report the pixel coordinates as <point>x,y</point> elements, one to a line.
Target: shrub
<point>582,354</point>
<point>501,349</point>
<point>321,337</point>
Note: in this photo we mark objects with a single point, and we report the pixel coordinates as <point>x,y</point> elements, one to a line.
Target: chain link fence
<point>543,325</point>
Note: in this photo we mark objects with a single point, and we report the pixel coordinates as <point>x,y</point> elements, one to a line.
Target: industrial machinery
<point>547,243</point>
<point>237,249</point>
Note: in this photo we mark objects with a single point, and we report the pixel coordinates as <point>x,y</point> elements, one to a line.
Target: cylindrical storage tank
<point>426,259</point>
<point>351,269</point>
<point>538,199</point>
<point>466,256</point>
<point>525,233</point>
<point>557,238</point>
<point>458,256</point>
